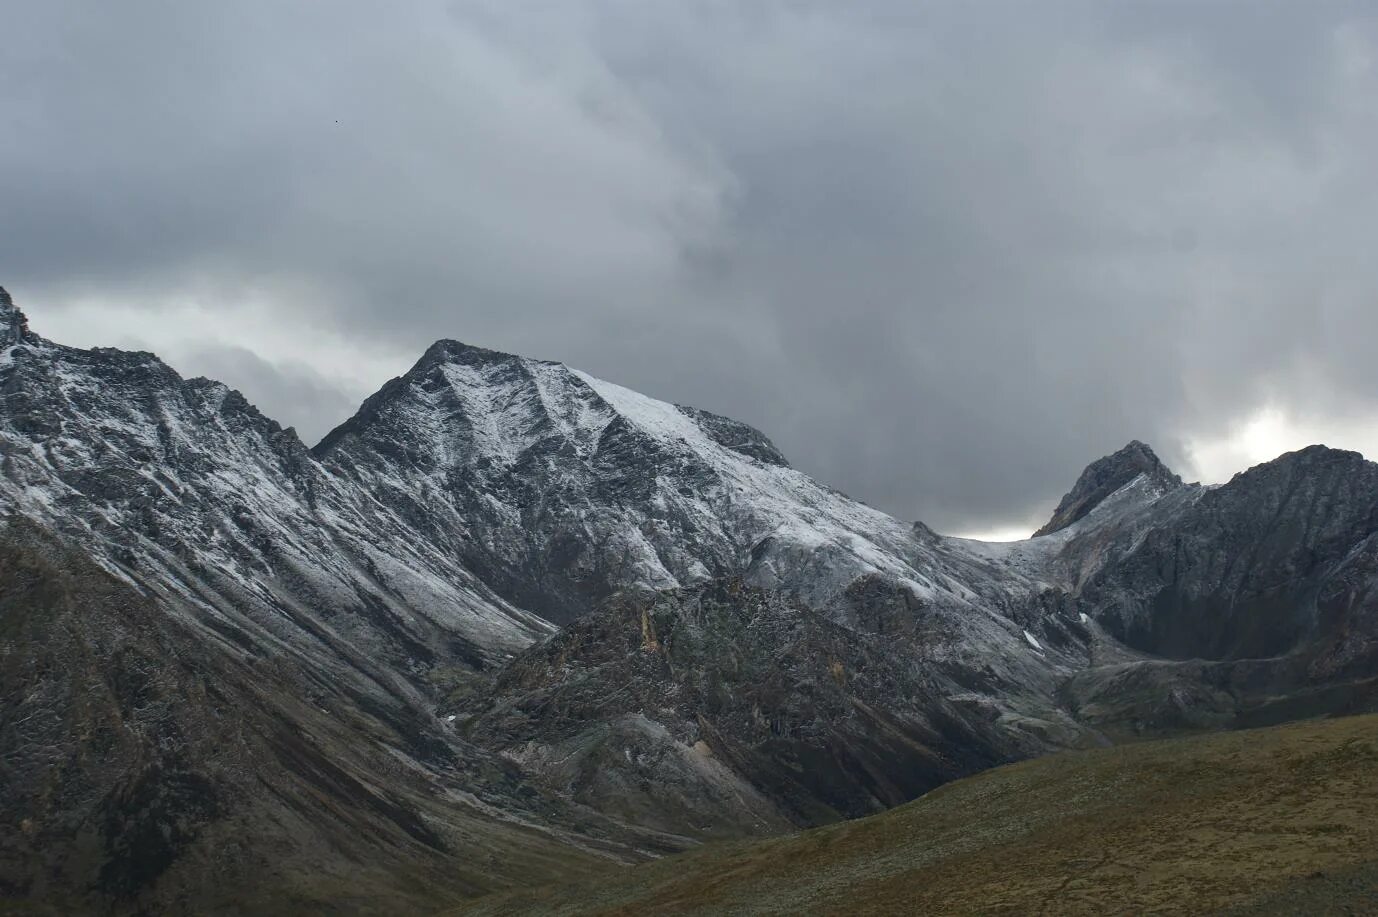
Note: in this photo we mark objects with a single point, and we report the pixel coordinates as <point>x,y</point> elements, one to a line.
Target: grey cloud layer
<point>945,254</point>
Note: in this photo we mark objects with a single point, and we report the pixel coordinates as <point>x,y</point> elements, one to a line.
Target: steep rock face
<point>1264,565</point>
<point>14,326</point>
<point>1243,604</point>
<point>1103,478</point>
<point>722,709</point>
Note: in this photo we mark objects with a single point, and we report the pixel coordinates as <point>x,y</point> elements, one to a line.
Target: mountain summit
<point>559,489</point>
<point>1105,476</point>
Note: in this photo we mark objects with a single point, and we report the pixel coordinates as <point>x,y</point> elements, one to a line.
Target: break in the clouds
<point>944,254</point>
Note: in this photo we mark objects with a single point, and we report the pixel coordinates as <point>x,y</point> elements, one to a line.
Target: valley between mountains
<point>510,623</point>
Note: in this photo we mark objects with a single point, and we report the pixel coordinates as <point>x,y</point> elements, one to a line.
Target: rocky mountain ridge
<point>509,605</point>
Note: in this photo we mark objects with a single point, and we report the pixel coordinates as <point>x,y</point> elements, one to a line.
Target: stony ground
<point>1271,821</point>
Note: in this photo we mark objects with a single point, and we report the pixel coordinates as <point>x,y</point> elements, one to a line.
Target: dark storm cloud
<point>944,254</point>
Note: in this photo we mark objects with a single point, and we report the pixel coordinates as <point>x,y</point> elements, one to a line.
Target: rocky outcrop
<point>1265,565</point>
<point>14,326</point>
<point>1106,476</point>
<point>722,710</point>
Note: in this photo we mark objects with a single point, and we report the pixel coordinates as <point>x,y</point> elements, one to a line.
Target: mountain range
<point>509,620</point>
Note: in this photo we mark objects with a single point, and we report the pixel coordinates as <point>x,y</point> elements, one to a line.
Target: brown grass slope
<point>1280,820</point>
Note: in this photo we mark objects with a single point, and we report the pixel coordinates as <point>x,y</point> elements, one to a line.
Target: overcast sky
<point>944,254</point>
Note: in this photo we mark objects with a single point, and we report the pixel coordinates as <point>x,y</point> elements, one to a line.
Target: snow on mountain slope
<point>559,489</point>
<point>528,454</point>
<point>464,503</point>
<point>184,489</point>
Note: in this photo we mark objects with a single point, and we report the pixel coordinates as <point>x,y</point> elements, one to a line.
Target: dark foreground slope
<point>146,770</point>
<point>1277,820</point>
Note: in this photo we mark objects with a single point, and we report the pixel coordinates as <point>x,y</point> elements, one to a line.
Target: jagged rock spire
<point>1105,476</point>
<point>14,326</point>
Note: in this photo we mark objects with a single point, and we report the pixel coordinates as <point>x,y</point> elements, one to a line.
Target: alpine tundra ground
<point>1281,820</point>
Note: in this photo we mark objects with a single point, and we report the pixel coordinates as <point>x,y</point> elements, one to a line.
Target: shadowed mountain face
<point>1270,562</point>
<point>724,710</point>
<point>514,617</point>
<point>147,770</point>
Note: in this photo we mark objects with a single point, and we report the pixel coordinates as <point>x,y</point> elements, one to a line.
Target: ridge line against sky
<point>1262,438</point>
<point>944,256</point>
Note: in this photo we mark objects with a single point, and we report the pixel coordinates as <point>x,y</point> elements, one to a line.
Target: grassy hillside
<point>1280,820</point>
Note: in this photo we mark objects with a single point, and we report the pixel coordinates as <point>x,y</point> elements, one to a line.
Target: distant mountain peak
<point>1105,476</point>
<point>509,403</point>
<point>1319,454</point>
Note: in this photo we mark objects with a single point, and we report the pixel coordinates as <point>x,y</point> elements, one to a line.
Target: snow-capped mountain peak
<point>563,488</point>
